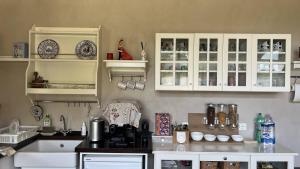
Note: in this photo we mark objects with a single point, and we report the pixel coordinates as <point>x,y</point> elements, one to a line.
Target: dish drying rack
<point>24,133</point>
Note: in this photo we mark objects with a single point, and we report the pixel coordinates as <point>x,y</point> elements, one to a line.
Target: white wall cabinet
<point>66,72</point>
<point>208,62</point>
<point>174,62</point>
<point>271,61</point>
<point>223,62</point>
<point>237,62</point>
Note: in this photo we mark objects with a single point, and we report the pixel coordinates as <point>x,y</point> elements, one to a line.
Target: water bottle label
<point>268,135</point>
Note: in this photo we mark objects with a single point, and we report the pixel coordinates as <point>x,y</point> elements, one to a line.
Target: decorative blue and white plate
<point>48,49</point>
<point>86,49</point>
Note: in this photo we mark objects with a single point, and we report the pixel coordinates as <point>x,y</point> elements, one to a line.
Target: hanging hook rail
<point>64,101</point>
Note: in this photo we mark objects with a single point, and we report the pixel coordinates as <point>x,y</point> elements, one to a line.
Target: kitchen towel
<point>297,93</point>
<point>7,151</point>
<point>122,113</point>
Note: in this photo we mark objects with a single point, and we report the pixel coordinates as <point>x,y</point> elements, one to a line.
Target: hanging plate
<point>37,112</point>
<point>48,49</point>
<point>86,49</point>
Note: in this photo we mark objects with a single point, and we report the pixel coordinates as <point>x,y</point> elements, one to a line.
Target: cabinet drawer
<point>224,157</point>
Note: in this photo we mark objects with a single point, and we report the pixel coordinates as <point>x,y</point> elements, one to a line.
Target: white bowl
<point>210,137</point>
<point>196,136</point>
<point>237,138</point>
<point>223,138</point>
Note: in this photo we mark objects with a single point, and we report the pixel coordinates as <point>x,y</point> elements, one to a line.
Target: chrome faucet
<point>62,118</point>
<point>64,130</point>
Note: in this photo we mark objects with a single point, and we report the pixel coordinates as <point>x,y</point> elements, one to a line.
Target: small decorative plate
<point>86,49</point>
<point>48,49</point>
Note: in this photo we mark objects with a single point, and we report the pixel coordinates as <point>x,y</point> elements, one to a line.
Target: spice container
<point>221,115</point>
<point>233,116</point>
<point>210,114</point>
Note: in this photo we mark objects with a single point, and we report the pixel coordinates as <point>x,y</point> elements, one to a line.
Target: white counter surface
<point>213,148</point>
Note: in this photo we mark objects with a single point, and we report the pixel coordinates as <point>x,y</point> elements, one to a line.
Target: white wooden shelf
<point>63,60</point>
<point>61,91</point>
<point>126,68</point>
<point>12,59</point>
<point>66,67</point>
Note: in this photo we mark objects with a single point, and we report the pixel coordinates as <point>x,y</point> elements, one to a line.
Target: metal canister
<point>97,128</point>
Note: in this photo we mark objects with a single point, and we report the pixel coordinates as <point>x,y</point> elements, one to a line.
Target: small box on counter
<point>181,137</point>
<point>162,124</point>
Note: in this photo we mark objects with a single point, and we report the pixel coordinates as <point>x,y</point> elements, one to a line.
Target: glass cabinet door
<point>237,62</point>
<point>174,61</point>
<point>272,161</point>
<point>208,62</point>
<point>224,160</point>
<point>271,62</point>
<point>176,161</point>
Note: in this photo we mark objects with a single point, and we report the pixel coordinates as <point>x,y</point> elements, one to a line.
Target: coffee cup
<point>139,85</point>
<point>131,84</point>
<point>122,85</point>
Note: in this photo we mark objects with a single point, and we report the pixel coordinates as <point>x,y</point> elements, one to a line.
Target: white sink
<point>48,154</point>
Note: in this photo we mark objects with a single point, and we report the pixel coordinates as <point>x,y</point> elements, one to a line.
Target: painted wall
<point>139,20</point>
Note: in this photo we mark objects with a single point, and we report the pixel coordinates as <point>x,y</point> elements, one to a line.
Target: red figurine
<point>123,54</point>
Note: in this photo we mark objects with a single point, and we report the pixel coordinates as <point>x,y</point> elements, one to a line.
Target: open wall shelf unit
<point>66,73</point>
<point>126,68</point>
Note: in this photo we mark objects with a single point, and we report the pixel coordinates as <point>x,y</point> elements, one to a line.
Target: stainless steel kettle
<point>97,130</point>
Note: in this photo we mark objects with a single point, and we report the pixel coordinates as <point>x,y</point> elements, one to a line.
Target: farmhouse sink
<point>48,154</point>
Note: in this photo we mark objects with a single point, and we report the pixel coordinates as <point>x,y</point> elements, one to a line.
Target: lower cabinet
<point>180,161</point>
<point>7,163</point>
<point>113,161</point>
<point>222,161</point>
<point>272,161</point>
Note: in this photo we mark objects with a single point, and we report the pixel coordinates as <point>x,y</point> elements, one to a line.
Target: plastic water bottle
<point>258,122</point>
<point>268,131</point>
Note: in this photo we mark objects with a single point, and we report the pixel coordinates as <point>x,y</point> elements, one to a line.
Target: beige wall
<point>139,20</point>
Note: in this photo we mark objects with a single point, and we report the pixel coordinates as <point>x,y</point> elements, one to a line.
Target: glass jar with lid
<point>233,116</point>
<point>221,113</point>
<point>211,114</point>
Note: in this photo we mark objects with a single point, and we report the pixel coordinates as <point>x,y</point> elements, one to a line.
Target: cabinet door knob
<point>190,83</point>
<point>254,84</point>
<point>224,158</point>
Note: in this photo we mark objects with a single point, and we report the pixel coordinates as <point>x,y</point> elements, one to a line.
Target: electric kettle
<point>97,130</point>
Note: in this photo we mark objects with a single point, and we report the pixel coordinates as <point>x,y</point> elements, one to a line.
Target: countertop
<point>212,148</point>
<point>85,146</point>
<point>103,147</point>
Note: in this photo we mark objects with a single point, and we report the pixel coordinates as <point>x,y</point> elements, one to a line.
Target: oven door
<point>113,162</point>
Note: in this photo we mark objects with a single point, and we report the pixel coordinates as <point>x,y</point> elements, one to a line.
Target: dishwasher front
<point>113,162</point>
